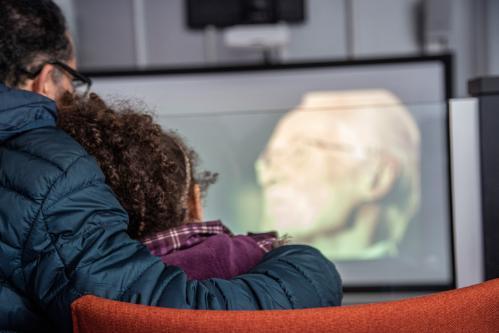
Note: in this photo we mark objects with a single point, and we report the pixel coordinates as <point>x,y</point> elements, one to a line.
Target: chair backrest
<point>472,309</point>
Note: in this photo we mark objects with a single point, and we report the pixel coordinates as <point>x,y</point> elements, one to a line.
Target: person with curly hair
<point>153,173</point>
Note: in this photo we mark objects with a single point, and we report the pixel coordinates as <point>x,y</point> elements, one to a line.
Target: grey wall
<point>169,42</point>
<point>105,34</point>
<point>384,27</point>
<point>323,35</point>
<point>164,25</point>
<point>462,44</point>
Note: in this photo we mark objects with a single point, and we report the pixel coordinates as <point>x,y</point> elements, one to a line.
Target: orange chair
<point>472,309</point>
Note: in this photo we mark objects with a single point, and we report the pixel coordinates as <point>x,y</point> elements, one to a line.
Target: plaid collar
<point>190,234</point>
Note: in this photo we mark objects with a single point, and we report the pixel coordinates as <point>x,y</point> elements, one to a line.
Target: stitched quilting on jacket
<point>63,235</point>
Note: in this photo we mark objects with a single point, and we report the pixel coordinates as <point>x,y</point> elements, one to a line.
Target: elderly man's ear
<point>381,176</point>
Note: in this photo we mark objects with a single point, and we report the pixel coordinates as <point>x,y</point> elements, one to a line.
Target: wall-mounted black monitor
<point>350,157</point>
<point>225,13</point>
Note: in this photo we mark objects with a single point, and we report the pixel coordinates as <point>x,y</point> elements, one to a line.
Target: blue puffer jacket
<point>62,235</point>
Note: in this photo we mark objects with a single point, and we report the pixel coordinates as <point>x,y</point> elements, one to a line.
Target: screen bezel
<point>446,60</point>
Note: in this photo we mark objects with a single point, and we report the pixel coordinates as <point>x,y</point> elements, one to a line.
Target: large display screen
<point>350,158</point>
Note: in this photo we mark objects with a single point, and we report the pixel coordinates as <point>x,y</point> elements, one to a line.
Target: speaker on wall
<point>436,24</point>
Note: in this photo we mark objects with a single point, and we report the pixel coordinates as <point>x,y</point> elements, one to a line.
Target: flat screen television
<point>351,157</point>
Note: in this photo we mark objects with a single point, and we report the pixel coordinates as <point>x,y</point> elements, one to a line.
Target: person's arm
<point>17,313</point>
<point>79,246</point>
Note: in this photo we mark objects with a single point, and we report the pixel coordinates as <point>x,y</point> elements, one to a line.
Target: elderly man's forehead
<point>318,124</point>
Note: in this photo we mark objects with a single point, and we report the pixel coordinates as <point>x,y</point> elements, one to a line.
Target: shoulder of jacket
<point>50,144</point>
<point>35,160</point>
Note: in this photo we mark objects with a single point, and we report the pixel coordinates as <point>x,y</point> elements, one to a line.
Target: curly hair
<point>31,32</point>
<point>151,171</point>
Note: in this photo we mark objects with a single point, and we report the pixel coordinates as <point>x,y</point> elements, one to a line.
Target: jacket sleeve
<point>17,312</point>
<point>80,246</point>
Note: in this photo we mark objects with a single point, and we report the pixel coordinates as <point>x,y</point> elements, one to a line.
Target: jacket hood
<point>21,111</point>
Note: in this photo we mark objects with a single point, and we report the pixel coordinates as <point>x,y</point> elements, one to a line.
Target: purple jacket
<point>209,250</point>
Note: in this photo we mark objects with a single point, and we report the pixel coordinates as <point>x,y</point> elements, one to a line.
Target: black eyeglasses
<point>81,84</point>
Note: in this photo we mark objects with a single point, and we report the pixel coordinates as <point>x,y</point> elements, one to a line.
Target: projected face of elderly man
<point>341,172</point>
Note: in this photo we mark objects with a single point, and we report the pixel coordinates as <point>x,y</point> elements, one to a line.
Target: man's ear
<point>383,174</point>
<point>44,83</point>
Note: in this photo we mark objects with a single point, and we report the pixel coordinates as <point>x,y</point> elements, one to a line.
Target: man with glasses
<point>74,81</point>
<point>63,232</point>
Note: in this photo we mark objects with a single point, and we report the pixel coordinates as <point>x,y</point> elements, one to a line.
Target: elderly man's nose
<point>263,170</point>
<point>268,173</point>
